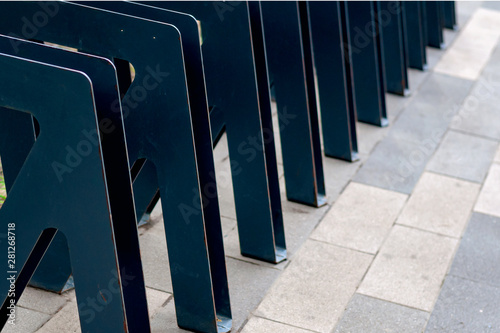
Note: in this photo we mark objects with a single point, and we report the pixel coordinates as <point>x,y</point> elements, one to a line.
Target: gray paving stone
<point>261,325</point>
<point>493,65</point>
<point>395,104</point>
<point>338,174</point>
<point>433,56</point>
<point>315,288</point>
<point>42,301</point>
<point>225,188</point>
<point>164,320</point>
<point>155,259</point>
<point>394,165</point>
<point>426,118</point>
<point>66,320</point>
<point>370,315</point>
<point>441,90</point>
<point>478,255</point>
<point>416,78</point>
<point>482,120</point>
<point>463,156</point>
<point>156,300</point>
<point>497,156</point>
<point>248,284</point>
<point>494,5</point>
<point>26,321</point>
<point>221,151</point>
<point>489,197</point>
<point>409,268</point>
<point>440,204</point>
<point>361,218</point>
<point>369,136</point>
<point>300,220</point>
<point>466,306</point>
<point>465,9</point>
<point>421,124</point>
<point>228,225</point>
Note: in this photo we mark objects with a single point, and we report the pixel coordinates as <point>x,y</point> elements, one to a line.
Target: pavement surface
<point>410,238</point>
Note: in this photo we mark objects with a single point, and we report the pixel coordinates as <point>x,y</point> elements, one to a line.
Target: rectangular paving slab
<point>394,165</point>
<point>314,290</point>
<point>440,204</point>
<point>409,268</point>
<point>365,314</point>
<point>478,255</point>
<point>463,156</point>
<point>361,218</point>
<point>466,306</point>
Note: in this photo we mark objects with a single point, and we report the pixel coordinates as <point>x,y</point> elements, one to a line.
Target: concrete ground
<point>410,238</point>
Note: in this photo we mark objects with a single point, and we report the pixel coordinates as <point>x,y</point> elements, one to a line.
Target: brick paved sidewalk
<point>410,238</point>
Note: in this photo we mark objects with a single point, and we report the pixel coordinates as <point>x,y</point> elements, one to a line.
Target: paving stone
<point>300,220</point>
<point>482,119</point>
<point>494,5</point>
<point>395,104</point>
<point>221,151</point>
<point>370,315</point>
<point>165,320</point>
<point>42,301</point>
<point>416,77</point>
<point>497,156</point>
<point>409,268</point>
<point>156,299</point>
<point>479,252</point>
<point>228,225</point>
<point>440,89</point>
<point>315,288</point>
<point>421,124</point>
<point>493,65</point>
<point>467,57</point>
<point>465,9</point>
<point>225,188</point>
<point>361,218</point>
<point>489,197</point>
<point>155,259</point>
<point>66,320</point>
<point>261,325</point>
<point>26,321</point>
<point>450,37</point>
<point>394,165</point>
<point>466,306</point>
<point>440,204</point>
<point>248,284</point>
<point>369,136</point>
<point>277,137</point>
<point>338,174</point>
<point>425,120</point>
<point>463,156</point>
